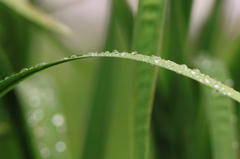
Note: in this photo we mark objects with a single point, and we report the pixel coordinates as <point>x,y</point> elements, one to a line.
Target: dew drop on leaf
<point>73,56</point>
<point>23,70</point>
<point>123,54</point>
<point>40,64</point>
<point>207,80</point>
<point>64,58</point>
<point>134,53</point>
<point>156,61</point>
<point>217,85</point>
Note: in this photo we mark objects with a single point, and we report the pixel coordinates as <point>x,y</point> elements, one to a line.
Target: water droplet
<point>73,56</point>
<point>207,80</point>
<point>107,53</point>
<point>94,54</point>
<point>44,152</point>
<point>217,85</point>
<point>64,58</point>
<point>235,144</point>
<point>171,65</point>
<point>179,71</point>
<point>193,72</point>
<point>58,120</point>
<point>60,146</point>
<point>6,78</point>
<point>115,52</point>
<point>40,64</point>
<point>229,93</point>
<point>31,68</point>
<point>123,54</point>
<point>134,53</point>
<point>23,70</point>
<point>156,61</point>
<point>101,54</point>
<point>184,67</point>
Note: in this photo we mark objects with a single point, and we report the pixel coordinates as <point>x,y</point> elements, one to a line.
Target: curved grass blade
<point>221,114</point>
<point>10,82</point>
<point>147,39</point>
<point>28,11</point>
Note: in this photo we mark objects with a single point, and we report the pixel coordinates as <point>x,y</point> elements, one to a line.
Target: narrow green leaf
<point>146,39</point>
<point>28,11</point>
<point>220,111</point>
<point>10,82</point>
<point>101,109</point>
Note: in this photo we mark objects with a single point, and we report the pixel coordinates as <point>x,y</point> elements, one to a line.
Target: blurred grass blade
<point>28,11</point>
<point>220,111</point>
<point>146,39</point>
<point>13,142</point>
<point>101,108</point>
<point>44,118</point>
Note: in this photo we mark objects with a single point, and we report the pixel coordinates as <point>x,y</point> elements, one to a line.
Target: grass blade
<point>10,82</point>
<point>102,108</point>
<point>220,112</point>
<point>147,40</point>
<point>14,141</point>
<point>28,11</point>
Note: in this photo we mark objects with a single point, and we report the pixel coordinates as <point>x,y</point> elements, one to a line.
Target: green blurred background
<point>81,109</point>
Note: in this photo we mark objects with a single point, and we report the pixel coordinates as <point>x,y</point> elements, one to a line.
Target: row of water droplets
<point>39,65</point>
<point>154,60</point>
<point>180,69</point>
